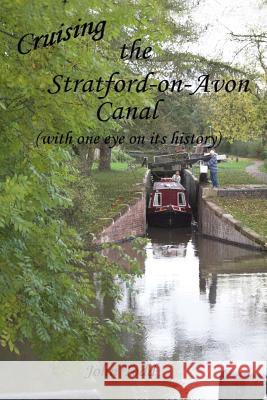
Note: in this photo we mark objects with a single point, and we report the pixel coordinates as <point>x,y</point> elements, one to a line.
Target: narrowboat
<point>168,205</point>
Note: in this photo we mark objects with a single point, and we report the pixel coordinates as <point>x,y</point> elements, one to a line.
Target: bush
<point>118,155</point>
<point>244,149</point>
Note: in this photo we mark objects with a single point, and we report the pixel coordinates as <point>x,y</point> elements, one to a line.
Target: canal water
<point>197,299</point>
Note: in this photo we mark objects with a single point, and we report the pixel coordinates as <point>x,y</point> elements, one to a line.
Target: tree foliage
<point>47,281</point>
<point>242,116</point>
<point>236,116</point>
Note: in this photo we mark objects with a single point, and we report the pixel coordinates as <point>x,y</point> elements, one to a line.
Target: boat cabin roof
<point>167,183</point>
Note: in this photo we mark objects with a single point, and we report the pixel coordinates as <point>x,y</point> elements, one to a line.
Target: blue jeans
<point>213,177</point>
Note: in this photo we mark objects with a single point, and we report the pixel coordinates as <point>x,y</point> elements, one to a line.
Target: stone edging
<point>247,232</point>
<point>243,190</point>
<point>207,196</point>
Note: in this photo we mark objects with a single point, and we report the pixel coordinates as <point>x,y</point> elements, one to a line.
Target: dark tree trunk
<point>86,158</point>
<point>104,157</point>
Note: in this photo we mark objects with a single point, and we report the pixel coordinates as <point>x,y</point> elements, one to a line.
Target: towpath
<point>254,171</point>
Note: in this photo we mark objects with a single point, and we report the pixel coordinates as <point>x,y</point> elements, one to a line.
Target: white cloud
<point>223,16</point>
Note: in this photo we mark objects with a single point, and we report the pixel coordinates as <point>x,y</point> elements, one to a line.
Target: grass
<point>234,173</point>
<point>251,212</point>
<point>114,189</point>
<point>115,166</point>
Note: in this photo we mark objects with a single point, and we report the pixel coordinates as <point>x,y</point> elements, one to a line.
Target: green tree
<point>242,116</point>
<point>47,281</point>
<point>254,46</point>
<point>236,116</point>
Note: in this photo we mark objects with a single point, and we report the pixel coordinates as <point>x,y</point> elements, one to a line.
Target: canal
<point>197,299</point>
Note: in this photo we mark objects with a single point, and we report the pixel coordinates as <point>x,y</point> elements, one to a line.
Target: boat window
<point>157,199</point>
<point>181,199</point>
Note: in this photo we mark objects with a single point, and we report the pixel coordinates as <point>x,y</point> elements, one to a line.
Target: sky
<point>223,16</point>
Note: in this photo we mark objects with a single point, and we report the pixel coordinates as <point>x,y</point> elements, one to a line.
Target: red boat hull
<point>169,218</point>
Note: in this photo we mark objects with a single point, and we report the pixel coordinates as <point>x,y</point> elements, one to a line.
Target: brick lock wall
<point>215,222</point>
<point>131,223</point>
<point>223,226</point>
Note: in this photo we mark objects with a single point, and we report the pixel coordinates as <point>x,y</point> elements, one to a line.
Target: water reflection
<point>198,299</point>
